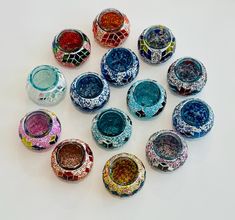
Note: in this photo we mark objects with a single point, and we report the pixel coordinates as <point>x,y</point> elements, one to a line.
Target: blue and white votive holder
<point>187,76</point>
<point>166,150</point>
<point>89,91</point>
<point>120,66</point>
<point>46,85</point>
<point>111,128</point>
<point>156,44</point>
<point>146,98</point>
<point>193,118</point>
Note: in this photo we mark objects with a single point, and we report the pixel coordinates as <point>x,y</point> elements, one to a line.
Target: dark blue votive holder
<point>193,118</point>
<point>119,66</point>
<point>89,91</point>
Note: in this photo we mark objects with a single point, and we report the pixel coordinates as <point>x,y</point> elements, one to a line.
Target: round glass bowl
<point>193,118</point>
<point>39,130</point>
<point>187,76</point>
<point>72,159</point>
<point>166,150</point>
<point>124,174</point>
<point>46,85</point>
<point>111,28</point>
<point>71,47</point>
<point>156,44</point>
<point>89,91</point>
<point>111,128</point>
<point>120,66</point>
<point>146,98</point>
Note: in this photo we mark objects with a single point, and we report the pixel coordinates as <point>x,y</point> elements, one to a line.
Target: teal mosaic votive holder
<point>111,128</point>
<point>146,98</point>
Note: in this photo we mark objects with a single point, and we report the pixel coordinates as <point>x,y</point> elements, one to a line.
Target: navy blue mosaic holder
<point>89,91</point>
<point>193,118</point>
<point>156,44</point>
<point>120,66</point>
<point>187,76</point>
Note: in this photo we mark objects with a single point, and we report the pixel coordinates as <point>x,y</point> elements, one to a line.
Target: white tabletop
<point>204,188</point>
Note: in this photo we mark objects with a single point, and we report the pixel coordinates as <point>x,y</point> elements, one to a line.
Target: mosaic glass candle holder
<point>156,44</point>
<point>146,98</point>
<point>39,130</point>
<point>124,174</point>
<point>193,118</point>
<point>71,47</point>
<point>166,150</point>
<point>89,91</point>
<point>111,128</point>
<point>187,76</point>
<point>46,85</point>
<point>72,159</point>
<point>111,28</point>
<point>120,66</point>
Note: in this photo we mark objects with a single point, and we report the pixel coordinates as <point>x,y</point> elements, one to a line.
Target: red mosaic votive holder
<point>71,47</point>
<point>111,28</point>
<point>72,159</point>
<point>39,130</point>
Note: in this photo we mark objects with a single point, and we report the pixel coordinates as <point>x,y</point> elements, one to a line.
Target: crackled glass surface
<point>111,123</point>
<point>89,86</point>
<point>70,41</point>
<point>146,94</point>
<point>119,59</point>
<point>110,20</point>
<point>70,156</point>
<point>158,37</point>
<point>195,113</point>
<point>44,78</point>
<point>124,171</point>
<point>167,146</point>
<point>37,124</point>
<point>188,70</point>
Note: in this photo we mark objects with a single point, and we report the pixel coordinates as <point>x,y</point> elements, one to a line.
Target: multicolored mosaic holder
<point>120,66</point>
<point>156,44</point>
<point>146,98</point>
<point>89,91</point>
<point>193,118</point>
<point>124,174</point>
<point>111,128</point>
<point>71,47</point>
<point>111,28</point>
<point>187,76</point>
<point>166,150</point>
<point>72,159</point>
<point>39,130</point>
<point>46,85</point>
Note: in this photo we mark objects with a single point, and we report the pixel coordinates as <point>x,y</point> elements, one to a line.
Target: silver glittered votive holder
<point>166,150</point>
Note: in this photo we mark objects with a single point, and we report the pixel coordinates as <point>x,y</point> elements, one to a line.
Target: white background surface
<point>204,188</point>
